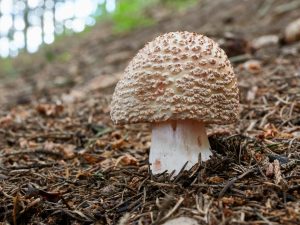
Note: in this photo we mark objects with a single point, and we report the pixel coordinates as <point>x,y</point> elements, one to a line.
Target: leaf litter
<point>63,162</point>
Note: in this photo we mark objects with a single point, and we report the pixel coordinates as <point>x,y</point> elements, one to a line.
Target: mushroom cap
<point>177,76</point>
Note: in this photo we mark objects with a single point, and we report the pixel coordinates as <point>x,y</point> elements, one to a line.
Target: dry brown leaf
<point>259,157</point>
<point>215,180</point>
<point>82,175</point>
<point>6,121</point>
<point>67,149</point>
<point>228,200</point>
<point>50,109</point>
<point>92,158</point>
<point>269,131</point>
<point>252,66</point>
<point>118,144</point>
<point>127,160</point>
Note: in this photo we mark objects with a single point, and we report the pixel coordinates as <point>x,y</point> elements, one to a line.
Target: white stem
<point>176,142</point>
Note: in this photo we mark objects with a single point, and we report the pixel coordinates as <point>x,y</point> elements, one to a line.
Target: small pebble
<point>182,221</point>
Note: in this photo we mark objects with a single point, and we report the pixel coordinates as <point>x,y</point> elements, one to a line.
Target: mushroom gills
<point>176,142</point>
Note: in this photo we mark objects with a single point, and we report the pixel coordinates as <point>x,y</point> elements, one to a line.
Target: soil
<point>62,161</point>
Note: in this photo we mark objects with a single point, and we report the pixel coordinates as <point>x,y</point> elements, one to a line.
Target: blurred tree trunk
<point>26,12</point>
<point>42,19</point>
<point>54,11</point>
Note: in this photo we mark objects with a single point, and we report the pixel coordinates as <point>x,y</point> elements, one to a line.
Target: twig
<point>172,210</point>
<point>232,181</point>
<point>36,151</point>
<point>36,165</point>
<point>239,58</point>
<point>123,202</point>
<point>287,7</point>
<point>264,218</point>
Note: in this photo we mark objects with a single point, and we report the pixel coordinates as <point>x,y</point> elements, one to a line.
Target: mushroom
<point>179,82</point>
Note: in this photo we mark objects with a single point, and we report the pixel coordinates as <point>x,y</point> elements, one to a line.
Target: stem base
<point>176,142</point>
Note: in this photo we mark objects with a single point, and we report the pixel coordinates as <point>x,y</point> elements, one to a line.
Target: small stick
<point>264,218</point>
<point>173,209</point>
<point>36,151</point>
<point>36,165</point>
<point>232,181</point>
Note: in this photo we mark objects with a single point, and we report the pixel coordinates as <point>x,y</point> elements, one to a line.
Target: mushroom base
<point>176,142</point>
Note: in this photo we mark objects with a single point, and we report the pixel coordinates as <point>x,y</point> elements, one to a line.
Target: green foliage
<point>7,68</point>
<point>130,14</point>
<point>61,57</point>
<point>49,55</point>
<point>180,4</point>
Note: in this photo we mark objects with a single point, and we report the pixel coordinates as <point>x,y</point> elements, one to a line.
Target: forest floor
<point>62,161</point>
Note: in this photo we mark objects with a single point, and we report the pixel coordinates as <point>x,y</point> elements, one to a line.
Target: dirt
<point>62,161</point>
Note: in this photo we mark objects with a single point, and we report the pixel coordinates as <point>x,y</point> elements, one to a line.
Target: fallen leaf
<point>50,109</point>
<point>215,180</point>
<point>127,160</point>
<point>83,175</point>
<point>228,200</point>
<point>269,131</point>
<point>6,121</point>
<point>259,157</point>
<point>118,144</point>
<point>92,158</point>
<point>68,150</point>
<point>252,66</point>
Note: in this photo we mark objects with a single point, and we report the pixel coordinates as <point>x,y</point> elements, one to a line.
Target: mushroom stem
<point>176,142</point>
